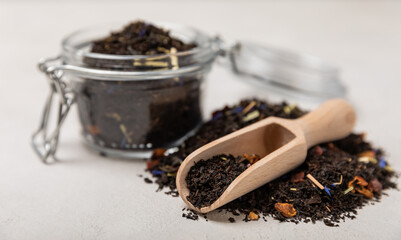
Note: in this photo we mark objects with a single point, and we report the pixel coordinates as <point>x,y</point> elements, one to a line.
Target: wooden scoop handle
<point>331,121</point>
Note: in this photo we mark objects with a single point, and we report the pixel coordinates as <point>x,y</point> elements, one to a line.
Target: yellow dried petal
<point>286,209</point>
<point>349,190</point>
<point>388,168</point>
<point>251,116</point>
<point>252,158</point>
<point>288,109</point>
<point>367,160</point>
<point>369,153</point>
<point>253,216</point>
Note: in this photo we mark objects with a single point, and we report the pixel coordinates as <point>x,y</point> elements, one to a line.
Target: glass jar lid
<point>286,71</point>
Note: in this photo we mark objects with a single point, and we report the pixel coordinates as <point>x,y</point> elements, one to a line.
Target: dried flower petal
<point>331,146</point>
<point>237,110</point>
<point>253,216</point>
<point>318,151</point>
<point>115,116</point>
<point>357,180</point>
<point>162,49</point>
<point>251,116</point>
<point>369,153</point>
<point>127,135</point>
<point>158,152</point>
<point>92,129</point>
<point>361,181</point>
<point>157,172</point>
<point>152,163</point>
<point>388,168</point>
<point>168,168</point>
<point>349,190</point>
<point>338,183</point>
<point>288,109</point>
<point>367,160</point>
<point>216,116</point>
<point>365,192</point>
<point>298,177</point>
<point>252,158</point>
<point>327,190</point>
<point>382,162</point>
<point>375,185</point>
<point>286,209</point>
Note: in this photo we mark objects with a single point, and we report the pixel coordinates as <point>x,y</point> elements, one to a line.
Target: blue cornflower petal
<point>217,116</point>
<point>112,88</point>
<point>327,190</point>
<point>123,142</point>
<point>382,162</point>
<point>157,172</point>
<point>142,32</point>
<point>237,110</point>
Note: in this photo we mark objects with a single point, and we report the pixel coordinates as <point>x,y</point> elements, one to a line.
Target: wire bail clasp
<point>45,142</point>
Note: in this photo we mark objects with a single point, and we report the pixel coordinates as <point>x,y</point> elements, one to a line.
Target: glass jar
<point>131,104</point>
<point>128,105</point>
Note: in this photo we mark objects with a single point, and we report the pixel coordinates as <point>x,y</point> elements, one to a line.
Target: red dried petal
<point>158,152</point>
<point>375,185</point>
<point>92,129</point>
<point>152,163</point>
<point>318,151</point>
<point>331,146</point>
<point>298,177</point>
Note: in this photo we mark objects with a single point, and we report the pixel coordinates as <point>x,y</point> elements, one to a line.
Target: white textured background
<point>89,197</point>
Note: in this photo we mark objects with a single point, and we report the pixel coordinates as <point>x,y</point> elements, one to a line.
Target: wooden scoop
<point>281,143</point>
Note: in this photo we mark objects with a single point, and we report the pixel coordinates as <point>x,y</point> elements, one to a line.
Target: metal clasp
<point>45,142</point>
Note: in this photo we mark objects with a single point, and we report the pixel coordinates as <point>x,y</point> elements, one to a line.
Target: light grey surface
<point>89,197</point>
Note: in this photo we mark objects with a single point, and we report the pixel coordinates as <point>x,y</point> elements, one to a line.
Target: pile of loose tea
<point>335,180</point>
<point>140,114</point>
<point>208,179</point>
<point>140,38</point>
